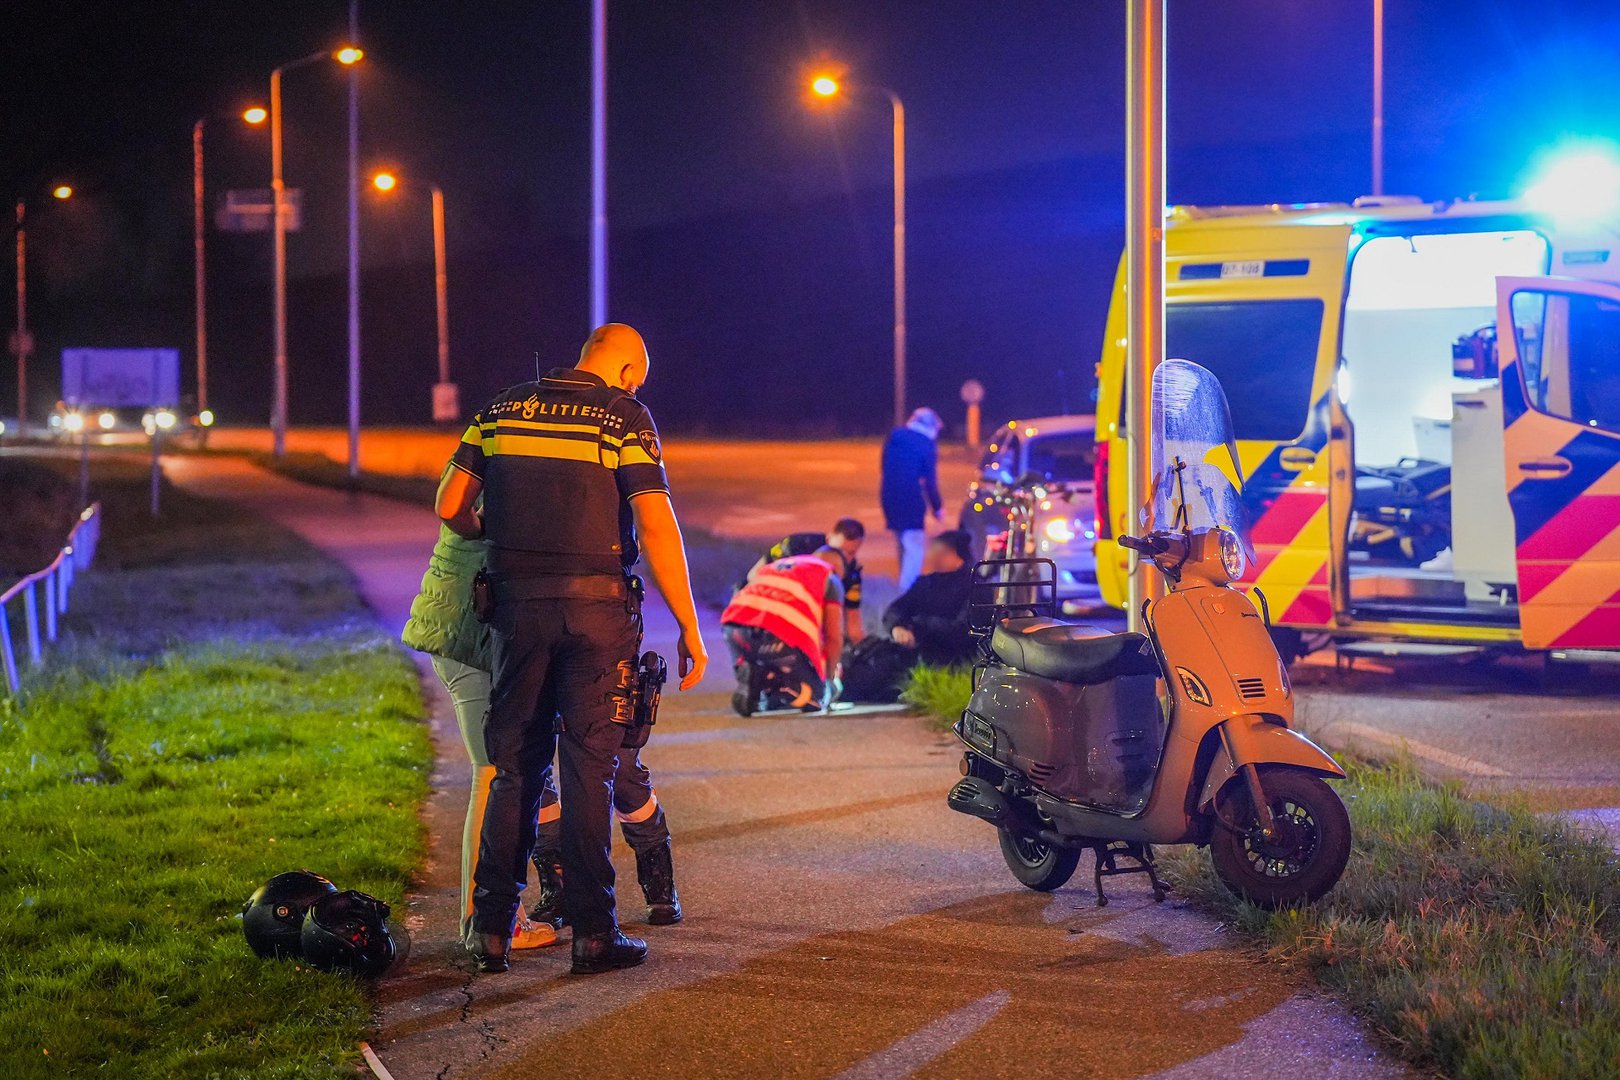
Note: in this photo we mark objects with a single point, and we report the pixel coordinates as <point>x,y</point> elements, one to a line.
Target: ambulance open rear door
<point>1560,372</point>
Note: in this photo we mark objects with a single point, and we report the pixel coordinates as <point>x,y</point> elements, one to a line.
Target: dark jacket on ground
<point>935,609</point>
<point>910,479</point>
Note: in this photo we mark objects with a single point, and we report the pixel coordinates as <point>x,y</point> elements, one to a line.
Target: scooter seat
<point>1071,652</point>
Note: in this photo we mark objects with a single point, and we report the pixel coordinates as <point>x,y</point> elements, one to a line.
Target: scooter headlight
<point>1060,530</point>
<point>1232,560</point>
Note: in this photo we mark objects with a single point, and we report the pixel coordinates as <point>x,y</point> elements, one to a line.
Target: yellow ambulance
<point>1427,402</point>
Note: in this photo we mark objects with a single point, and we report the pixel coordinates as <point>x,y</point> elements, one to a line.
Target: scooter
<point>1080,739</point>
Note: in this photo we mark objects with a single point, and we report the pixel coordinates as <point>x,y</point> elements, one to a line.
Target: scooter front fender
<point>1257,741</point>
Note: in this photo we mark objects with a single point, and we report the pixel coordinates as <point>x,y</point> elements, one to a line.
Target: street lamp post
<point>1378,99</point>
<point>22,344</point>
<point>254,115</point>
<point>828,86</point>
<point>446,404</point>
<point>278,225</point>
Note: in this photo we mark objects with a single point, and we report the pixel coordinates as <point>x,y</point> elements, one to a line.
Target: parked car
<point>1044,465</point>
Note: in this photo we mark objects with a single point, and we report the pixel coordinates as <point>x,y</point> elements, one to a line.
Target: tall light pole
<point>446,405</point>
<point>278,224</point>
<point>828,86</point>
<point>1144,255</point>
<point>354,250</point>
<point>599,246</point>
<point>253,116</point>
<point>1378,99</point>
<point>22,342</point>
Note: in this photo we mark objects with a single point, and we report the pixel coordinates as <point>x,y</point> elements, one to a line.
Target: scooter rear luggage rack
<point>1010,588</point>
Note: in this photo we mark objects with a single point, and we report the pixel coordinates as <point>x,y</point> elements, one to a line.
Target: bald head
<point>616,354</point>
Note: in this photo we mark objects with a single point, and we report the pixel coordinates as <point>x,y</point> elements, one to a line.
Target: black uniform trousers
<point>579,653</point>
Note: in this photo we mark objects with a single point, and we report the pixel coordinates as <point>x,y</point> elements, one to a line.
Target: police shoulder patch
<point>649,443</point>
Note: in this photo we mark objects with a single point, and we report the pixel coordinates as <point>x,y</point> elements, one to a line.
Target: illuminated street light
<point>348,55</point>
<point>254,115</point>
<point>827,86</point>
<point>446,405</point>
<point>22,342</point>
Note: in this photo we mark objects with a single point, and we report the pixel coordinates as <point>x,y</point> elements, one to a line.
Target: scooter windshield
<point>1193,456</point>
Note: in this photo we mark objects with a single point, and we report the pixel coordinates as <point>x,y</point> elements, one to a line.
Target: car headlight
<point>73,421</point>
<point>1060,530</point>
<point>164,419</point>
<point>106,420</point>
<point>1232,560</point>
<point>206,418</point>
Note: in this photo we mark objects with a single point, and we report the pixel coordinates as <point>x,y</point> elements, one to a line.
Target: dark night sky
<point>750,232</point>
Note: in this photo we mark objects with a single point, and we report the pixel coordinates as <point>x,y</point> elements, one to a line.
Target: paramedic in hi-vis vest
<point>572,477</point>
<point>785,632</point>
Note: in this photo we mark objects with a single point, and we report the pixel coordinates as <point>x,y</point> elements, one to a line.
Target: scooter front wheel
<point>1302,860</point>
<point>1036,864</point>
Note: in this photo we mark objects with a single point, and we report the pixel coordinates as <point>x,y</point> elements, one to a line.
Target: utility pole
<point>199,273</point>
<point>599,251</point>
<point>899,258</point>
<point>354,248</point>
<point>22,342</point>
<point>1144,257</point>
<point>1378,99</point>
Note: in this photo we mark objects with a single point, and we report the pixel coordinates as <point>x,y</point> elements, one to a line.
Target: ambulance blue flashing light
<point>1579,182</point>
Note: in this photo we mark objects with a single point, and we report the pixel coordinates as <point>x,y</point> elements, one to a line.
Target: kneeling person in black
<point>571,474</point>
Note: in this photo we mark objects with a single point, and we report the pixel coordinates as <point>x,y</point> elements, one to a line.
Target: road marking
<point>1457,762</point>
<point>927,1043</point>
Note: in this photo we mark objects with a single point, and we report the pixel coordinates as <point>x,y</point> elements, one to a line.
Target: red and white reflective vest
<point>787,599</point>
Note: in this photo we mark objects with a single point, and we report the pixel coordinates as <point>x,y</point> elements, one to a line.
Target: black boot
<point>745,699</point>
<point>490,951</point>
<point>605,952</point>
<point>549,909</point>
<point>655,869</point>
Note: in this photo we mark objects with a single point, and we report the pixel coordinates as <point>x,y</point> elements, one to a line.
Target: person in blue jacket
<point>910,490</point>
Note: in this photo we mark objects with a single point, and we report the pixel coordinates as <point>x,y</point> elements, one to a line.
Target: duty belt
<point>561,587</point>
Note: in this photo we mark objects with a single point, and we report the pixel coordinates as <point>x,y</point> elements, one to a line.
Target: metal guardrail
<point>45,592</point>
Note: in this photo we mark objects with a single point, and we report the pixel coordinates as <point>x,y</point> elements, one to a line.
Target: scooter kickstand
<point>1103,855</point>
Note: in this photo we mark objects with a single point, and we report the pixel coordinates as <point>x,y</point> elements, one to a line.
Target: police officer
<point>572,476</point>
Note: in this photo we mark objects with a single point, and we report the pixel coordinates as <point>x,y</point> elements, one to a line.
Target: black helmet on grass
<point>273,917</point>
<point>348,931</point>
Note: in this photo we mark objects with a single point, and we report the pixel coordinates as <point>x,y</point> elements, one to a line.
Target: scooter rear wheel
<point>1038,865</point>
<point>1306,856</point>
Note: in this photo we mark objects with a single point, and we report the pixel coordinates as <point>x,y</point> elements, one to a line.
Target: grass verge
<point>940,693</point>
<point>220,709</point>
<point>1479,939</point>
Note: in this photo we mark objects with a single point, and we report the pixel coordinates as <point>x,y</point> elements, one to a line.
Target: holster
<point>647,692</point>
<point>483,597</point>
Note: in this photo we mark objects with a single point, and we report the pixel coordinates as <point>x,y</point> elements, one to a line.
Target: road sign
<point>446,403</point>
<point>250,210</point>
<point>972,392</point>
<point>113,378</point>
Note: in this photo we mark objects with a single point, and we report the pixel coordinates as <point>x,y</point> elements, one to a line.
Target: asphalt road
<point>841,921</point>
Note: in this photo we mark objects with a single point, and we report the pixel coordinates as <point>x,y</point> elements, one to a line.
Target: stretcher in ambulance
<point>1427,402</point>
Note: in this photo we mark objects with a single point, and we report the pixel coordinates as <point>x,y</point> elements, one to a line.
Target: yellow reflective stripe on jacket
<point>540,446</point>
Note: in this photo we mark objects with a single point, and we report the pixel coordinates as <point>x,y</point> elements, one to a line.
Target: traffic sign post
<point>973,397</point>
<point>128,378</point>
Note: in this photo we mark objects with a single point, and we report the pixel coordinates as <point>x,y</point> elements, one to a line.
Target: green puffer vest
<point>442,621</point>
